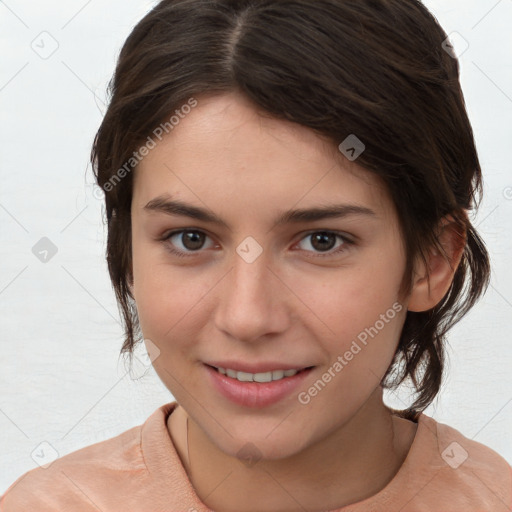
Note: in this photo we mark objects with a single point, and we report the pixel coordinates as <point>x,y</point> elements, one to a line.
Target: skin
<point>295,303</point>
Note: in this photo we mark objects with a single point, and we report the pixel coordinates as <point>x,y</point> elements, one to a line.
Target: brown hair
<point>373,68</point>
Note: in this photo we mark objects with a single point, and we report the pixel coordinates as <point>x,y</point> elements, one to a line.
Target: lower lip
<point>255,394</point>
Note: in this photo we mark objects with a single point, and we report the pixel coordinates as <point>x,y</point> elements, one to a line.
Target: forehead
<point>225,151</point>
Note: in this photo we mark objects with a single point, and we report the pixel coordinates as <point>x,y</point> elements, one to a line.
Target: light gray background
<point>61,380</point>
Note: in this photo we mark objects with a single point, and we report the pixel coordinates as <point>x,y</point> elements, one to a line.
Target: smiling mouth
<point>262,377</point>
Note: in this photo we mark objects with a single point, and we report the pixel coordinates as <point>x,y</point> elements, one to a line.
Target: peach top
<point>141,471</point>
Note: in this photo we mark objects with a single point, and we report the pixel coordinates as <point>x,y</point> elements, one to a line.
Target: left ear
<point>432,281</point>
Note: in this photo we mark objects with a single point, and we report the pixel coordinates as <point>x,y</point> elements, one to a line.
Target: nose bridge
<point>250,304</point>
<point>250,275</point>
<point>250,272</point>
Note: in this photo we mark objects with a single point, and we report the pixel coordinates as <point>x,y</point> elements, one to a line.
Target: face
<point>258,290</point>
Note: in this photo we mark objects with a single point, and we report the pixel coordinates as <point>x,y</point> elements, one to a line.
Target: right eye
<point>191,240</point>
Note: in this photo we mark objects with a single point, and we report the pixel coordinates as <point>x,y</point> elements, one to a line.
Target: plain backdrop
<point>61,379</point>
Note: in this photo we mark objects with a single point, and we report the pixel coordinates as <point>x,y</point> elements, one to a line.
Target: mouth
<point>256,390</point>
<point>266,376</point>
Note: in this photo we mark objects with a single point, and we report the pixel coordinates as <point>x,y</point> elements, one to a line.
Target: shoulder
<point>73,479</point>
<point>475,473</point>
<point>136,470</point>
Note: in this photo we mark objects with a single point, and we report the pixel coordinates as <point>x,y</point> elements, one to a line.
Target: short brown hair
<point>374,68</point>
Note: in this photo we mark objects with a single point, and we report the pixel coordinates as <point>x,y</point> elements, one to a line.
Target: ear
<point>431,282</point>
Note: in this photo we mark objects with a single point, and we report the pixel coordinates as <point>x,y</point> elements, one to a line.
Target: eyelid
<point>342,234</point>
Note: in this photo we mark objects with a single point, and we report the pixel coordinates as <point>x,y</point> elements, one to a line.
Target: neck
<point>351,464</point>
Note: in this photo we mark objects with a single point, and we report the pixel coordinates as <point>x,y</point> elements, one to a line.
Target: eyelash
<point>344,247</point>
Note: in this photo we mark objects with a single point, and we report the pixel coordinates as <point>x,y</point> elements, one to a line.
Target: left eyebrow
<point>176,207</point>
<point>335,211</point>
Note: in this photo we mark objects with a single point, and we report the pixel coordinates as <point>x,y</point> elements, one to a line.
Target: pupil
<point>322,237</point>
<point>192,240</point>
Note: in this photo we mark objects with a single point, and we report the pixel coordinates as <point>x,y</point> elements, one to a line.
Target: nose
<point>252,301</point>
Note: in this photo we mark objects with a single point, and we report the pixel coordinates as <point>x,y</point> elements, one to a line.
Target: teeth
<point>257,377</point>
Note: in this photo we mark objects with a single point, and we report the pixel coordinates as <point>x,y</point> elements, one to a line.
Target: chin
<point>254,446</point>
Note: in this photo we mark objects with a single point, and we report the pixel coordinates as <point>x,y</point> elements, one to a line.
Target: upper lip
<point>256,367</point>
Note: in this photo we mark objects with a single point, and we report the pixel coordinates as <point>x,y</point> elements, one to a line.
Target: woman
<point>240,137</point>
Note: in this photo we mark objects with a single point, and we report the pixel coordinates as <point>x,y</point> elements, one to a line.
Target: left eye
<point>325,240</point>
<point>193,240</point>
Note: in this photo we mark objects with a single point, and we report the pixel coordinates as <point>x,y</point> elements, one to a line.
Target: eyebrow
<point>163,204</point>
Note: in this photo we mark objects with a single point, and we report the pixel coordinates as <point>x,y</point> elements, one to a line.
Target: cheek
<point>169,298</point>
<point>351,299</point>
<point>165,303</point>
<point>364,321</point>
<point>157,292</point>
<point>357,316</point>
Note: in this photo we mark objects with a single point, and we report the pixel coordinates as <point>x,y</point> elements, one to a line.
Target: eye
<point>191,240</point>
<point>324,241</point>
